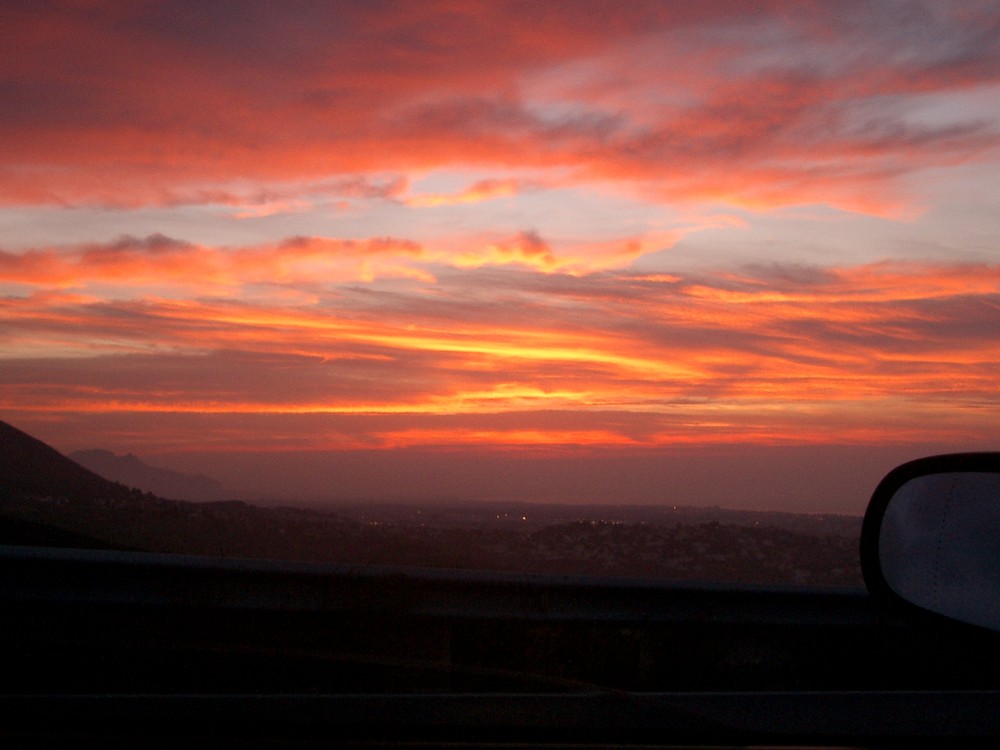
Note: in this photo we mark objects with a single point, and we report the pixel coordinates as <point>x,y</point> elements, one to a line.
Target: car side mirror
<point>931,538</point>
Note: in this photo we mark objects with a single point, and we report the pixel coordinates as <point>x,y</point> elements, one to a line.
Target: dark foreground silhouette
<point>48,500</point>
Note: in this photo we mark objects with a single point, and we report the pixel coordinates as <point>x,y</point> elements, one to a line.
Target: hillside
<point>132,471</point>
<point>30,468</point>
<point>47,499</point>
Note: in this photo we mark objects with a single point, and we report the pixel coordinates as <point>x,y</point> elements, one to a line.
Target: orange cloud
<point>771,355</point>
<point>479,191</point>
<point>526,249</point>
<point>157,260</point>
<point>138,264</point>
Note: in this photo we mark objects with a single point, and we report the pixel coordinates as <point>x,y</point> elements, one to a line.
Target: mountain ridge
<point>48,499</point>
<point>33,468</point>
<point>129,469</point>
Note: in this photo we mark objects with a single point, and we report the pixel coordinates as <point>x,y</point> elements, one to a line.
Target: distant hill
<point>30,468</point>
<point>47,499</point>
<point>130,470</point>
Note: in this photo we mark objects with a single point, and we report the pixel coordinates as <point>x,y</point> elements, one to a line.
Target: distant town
<point>45,498</point>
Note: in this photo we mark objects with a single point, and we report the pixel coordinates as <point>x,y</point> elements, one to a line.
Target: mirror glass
<point>939,545</point>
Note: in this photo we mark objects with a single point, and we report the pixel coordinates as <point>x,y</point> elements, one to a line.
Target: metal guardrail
<point>36,574</point>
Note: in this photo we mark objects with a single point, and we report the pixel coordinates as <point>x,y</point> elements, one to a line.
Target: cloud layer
<point>771,354</point>
<point>503,228</point>
<point>759,105</point>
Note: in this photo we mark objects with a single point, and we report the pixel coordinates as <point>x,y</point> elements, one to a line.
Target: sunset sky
<point>745,253</point>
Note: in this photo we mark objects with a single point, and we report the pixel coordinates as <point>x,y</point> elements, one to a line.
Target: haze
<point>730,253</point>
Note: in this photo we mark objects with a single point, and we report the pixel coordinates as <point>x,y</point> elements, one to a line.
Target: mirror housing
<point>930,542</point>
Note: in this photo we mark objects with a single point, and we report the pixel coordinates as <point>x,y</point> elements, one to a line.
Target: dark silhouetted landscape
<point>132,471</point>
<point>48,499</point>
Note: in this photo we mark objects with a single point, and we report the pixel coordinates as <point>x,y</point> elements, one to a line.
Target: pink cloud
<point>170,105</point>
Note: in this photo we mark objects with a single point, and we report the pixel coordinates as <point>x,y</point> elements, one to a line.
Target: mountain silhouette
<point>131,470</point>
<point>30,468</point>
